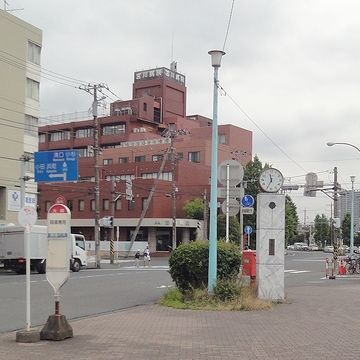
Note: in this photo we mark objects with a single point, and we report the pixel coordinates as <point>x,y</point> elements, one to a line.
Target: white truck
<point>13,255</point>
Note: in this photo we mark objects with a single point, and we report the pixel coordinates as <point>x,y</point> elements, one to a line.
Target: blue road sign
<point>59,165</point>
<point>247,201</point>
<point>248,229</point>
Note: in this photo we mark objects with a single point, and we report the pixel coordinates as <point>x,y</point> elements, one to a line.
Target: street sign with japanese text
<point>60,165</point>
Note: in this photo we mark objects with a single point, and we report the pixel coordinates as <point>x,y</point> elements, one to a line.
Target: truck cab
<point>79,254</point>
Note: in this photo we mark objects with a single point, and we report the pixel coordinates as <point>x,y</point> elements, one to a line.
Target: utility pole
<point>336,211</point>
<point>173,190</point>
<point>93,89</point>
<point>23,178</point>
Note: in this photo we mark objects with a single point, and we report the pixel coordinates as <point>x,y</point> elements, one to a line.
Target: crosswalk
<point>296,271</point>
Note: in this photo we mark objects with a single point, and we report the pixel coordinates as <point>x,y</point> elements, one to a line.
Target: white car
<point>329,249</point>
<point>313,247</point>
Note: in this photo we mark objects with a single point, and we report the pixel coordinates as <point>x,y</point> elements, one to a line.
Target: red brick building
<point>133,145</point>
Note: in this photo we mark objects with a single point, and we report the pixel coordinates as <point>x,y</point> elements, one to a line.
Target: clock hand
<point>270,181</point>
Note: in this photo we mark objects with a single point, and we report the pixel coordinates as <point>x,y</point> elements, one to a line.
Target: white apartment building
<point>20,49</point>
<point>345,206</point>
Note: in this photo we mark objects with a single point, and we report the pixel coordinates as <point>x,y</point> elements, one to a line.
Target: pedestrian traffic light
<point>111,221</point>
<point>198,225</point>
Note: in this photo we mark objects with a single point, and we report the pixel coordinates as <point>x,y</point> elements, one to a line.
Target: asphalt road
<point>114,287</point>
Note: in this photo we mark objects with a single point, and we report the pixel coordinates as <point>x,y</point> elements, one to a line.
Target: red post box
<point>249,265</point>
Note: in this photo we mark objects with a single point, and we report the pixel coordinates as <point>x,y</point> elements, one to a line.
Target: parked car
<point>291,247</point>
<point>329,249</point>
<point>313,247</point>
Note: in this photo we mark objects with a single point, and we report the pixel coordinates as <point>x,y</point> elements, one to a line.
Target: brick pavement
<point>320,321</point>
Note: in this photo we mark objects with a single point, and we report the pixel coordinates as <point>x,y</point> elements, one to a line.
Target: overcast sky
<point>291,65</point>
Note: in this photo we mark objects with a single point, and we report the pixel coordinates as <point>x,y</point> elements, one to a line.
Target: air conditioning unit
<point>142,129</point>
<point>136,130</point>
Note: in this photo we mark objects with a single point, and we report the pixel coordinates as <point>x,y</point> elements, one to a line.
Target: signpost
<point>60,165</point>
<point>27,217</point>
<point>248,230</point>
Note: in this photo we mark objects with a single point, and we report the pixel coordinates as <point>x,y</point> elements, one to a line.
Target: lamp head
<point>330,143</point>
<point>216,56</point>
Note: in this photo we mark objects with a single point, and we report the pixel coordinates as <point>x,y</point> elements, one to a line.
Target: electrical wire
<point>228,25</point>
<point>258,127</point>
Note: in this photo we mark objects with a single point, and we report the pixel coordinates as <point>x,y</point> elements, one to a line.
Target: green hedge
<point>189,264</point>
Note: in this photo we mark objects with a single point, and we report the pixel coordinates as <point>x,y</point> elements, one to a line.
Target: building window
<point>118,204</point>
<point>142,235</point>
<point>81,205</point>
<point>123,160</point>
<point>84,133</point>
<point>141,158</point>
<point>31,125</point>
<point>34,51</point>
<point>222,139</point>
<point>69,204</point>
<point>145,106</point>
<point>32,89</point>
<point>113,129</point>
<point>60,135</point>
<point>85,152</point>
<point>47,205</point>
<point>106,204</point>
<point>92,204</point>
<point>194,156</point>
<point>107,161</point>
<point>131,205</point>
<point>167,176</point>
<point>157,157</point>
<point>42,138</point>
<point>143,203</point>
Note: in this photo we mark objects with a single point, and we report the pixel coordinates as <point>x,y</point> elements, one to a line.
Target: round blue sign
<point>248,229</point>
<point>247,201</point>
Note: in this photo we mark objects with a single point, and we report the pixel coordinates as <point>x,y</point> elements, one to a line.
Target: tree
<point>234,228</point>
<point>345,229</point>
<point>194,209</point>
<point>291,221</point>
<point>322,230</point>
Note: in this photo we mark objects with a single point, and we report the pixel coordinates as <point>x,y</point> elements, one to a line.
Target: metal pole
<point>205,232</point>
<point>216,56</point>
<point>213,192</point>
<point>227,201</point>
<point>112,237</point>
<point>27,241</point>
<point>173,193</point>
<point>97,180</point>
<point>352,216</point>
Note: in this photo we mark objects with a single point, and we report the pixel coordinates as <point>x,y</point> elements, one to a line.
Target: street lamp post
<point>216,56</point>
<point>352,196</point>
<point>352,178</point>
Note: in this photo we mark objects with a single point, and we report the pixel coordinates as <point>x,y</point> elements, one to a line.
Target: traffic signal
<point>111,221</point>
<point>198,225</point>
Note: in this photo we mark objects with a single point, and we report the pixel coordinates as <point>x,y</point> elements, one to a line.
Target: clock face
<point>271,180</point>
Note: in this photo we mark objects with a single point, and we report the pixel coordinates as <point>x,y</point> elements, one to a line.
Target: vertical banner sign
<point>59,247</point>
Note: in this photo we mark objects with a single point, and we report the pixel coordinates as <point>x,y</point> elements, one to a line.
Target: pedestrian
<point>137,258</point>
<point>147,258</point>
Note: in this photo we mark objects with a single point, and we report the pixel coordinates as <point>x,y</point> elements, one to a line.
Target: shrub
<point>189,264</point>
<point>227,290</point>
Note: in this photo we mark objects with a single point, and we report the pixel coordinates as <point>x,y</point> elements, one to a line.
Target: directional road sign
<point>248,229</point>
<point>60,165</point>
<point>247,201</point>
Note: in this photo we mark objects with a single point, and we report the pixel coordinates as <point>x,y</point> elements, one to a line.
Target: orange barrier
<point>342,267</point>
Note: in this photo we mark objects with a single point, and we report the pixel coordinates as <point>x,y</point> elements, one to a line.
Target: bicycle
<point>352,265</point>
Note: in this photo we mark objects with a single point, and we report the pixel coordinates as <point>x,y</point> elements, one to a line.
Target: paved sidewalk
<point>320,321</point>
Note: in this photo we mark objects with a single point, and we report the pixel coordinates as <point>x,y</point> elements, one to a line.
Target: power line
<point>259,128</point>
<point>228,26</point>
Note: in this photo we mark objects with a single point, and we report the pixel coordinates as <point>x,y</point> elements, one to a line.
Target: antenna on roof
<point>172,46</point>
<point>10,10</point>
